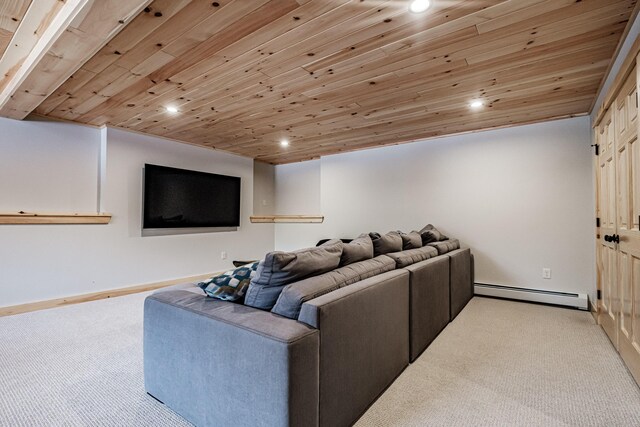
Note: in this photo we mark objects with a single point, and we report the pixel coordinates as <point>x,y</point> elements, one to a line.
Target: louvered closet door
<point>607,255</point>
<point>628,219</point>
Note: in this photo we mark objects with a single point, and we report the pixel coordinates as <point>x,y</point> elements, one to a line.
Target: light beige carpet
<point>499,363</point>
<point>504,363</point>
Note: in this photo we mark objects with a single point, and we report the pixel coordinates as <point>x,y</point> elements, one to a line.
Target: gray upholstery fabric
<point>411,240</point>
<point>411,256</point>
<point>460,281</point>
<point>220,363</point>
<point>189,287</point>
<point>386,243</point>
<point>473,273</point>
<point>359,249</point>
<point>446,246</point>
<point>431,234</point>
<point>295,294</point>
<point>364,335</point>
<point>281,268</point>
<point>429,302</point>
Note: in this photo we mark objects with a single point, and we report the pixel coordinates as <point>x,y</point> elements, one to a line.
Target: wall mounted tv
<point>185,201</point>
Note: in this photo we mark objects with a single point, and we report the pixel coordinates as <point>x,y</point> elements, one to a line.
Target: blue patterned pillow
<point>231,285</point>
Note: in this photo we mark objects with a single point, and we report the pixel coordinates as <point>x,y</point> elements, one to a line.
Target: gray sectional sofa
<point>331,344</point>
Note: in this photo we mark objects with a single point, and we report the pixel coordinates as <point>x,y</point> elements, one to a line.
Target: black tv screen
<point>179,198</point>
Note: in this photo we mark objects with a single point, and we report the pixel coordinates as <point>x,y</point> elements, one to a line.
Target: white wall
<point>264,188</point>
<point>298,193</point>
<point>57,167</point>
<point>48,166</point>
<point>298,188</point>
<point>521,198</point>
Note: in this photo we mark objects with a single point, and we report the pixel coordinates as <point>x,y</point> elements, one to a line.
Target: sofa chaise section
<point>364,343</point>
<point>429,291</point>
<point>215,362</point>
<point>461,279</point>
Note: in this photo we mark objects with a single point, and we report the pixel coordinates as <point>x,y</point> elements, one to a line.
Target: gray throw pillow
<point>431,234</point>
<point>359,249</point>
<point>278,269</point>
<point>412,240</point>
<point>386,243</point>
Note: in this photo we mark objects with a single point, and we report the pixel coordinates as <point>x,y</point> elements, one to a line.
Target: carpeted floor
<point>498,363</point>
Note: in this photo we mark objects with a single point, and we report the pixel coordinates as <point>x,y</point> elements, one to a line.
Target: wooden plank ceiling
<point>333,76</point>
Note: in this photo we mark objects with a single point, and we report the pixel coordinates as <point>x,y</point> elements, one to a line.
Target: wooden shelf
<point>53,218</point>
<point>310,219</point>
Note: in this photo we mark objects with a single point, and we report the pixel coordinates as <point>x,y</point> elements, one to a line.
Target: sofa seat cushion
<point>411,256</point>
<point>446,246</point>
<point>278,269</point>
<point>295,294</point>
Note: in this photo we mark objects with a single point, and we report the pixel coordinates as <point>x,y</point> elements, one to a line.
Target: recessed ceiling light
<point>476,104</point>
<point>172,109</point>
<point>419,6</point>
<point>284,143</point>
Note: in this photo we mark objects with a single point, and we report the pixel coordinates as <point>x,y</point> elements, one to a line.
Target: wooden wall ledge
<point>53,218</point>
<point>287,219</point>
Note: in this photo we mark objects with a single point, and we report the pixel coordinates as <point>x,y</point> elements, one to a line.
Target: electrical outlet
<point>546,273</point>
<point>223,255</point>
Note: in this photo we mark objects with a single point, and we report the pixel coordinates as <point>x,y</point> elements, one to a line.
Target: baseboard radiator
<point>579,301</point>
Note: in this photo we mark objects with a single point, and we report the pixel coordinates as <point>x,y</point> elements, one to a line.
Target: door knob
<point>614,238</point>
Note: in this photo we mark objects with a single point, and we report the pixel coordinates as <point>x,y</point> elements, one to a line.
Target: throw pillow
<point>278,269</point>
<point>231,285</point>
<point>412,240</point>
<point>359,249</point>
<point>323,241</point>
<point>383,244</point>
<point>431,234</point>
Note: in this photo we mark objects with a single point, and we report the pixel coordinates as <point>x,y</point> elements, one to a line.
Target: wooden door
<point>628,223</point>
<point>607,256</point>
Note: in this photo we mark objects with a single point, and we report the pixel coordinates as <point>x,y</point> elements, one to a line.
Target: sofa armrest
<point>430,302</point>
<point>220,363</point>
<point>364,343</point>
<point>461,280</point>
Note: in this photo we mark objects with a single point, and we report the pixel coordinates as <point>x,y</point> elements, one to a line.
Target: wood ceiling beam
<point>11,14</point>
<point>54,39</point>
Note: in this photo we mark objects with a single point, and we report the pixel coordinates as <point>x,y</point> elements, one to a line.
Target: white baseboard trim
<point>580,301</point>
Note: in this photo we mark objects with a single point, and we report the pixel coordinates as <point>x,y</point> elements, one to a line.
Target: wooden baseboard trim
<point>76,299</point>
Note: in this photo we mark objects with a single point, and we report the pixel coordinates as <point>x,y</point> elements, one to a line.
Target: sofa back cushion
<point>295,294</point>
<point>411,240</point>
<point>359,249</point>
<point>278,269</point>
<point>411,256</point>
<point>386,243</point>
<point>446,246</point>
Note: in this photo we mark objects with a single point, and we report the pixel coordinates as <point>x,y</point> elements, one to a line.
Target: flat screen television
<point>186,199</point>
